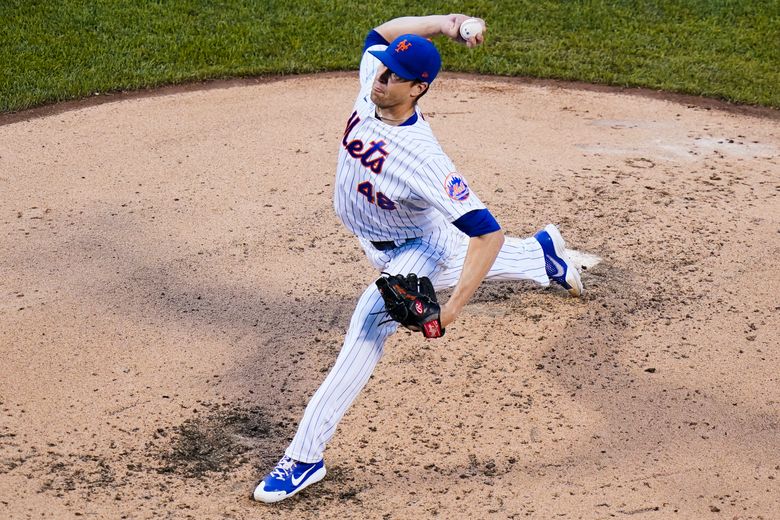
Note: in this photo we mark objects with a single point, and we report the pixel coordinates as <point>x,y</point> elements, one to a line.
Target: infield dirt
<point>174,285</point>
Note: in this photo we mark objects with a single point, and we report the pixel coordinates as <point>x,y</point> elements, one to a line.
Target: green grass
<point>56,50</point>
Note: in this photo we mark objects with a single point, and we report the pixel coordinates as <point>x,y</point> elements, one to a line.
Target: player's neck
<point>394,116</point>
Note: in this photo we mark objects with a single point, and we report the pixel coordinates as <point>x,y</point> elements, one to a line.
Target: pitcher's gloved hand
<point>412,302</point>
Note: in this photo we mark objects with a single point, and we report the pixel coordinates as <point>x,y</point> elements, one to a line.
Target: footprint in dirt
<point>219,441</point>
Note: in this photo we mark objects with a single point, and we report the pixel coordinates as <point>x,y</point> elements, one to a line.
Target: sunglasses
<point>390,76</point>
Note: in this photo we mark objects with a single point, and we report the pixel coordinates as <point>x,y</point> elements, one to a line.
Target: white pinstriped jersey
<point>394,182</point>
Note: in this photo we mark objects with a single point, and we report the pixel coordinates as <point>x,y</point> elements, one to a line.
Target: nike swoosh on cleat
<point>558,266</point>
<point>296,482</point>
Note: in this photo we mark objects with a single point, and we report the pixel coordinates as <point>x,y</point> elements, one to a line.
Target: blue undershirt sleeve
<point>374,38</point>
<point>477,222</point>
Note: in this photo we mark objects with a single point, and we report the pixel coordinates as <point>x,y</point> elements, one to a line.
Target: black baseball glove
<point>411,301</point>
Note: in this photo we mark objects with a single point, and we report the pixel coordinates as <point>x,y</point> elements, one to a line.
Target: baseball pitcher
<point>419,222</point>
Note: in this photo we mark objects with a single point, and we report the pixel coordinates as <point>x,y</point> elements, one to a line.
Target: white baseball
<point>470,28</point>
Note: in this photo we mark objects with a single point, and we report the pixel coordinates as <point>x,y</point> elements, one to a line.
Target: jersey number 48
<point>367,189</point>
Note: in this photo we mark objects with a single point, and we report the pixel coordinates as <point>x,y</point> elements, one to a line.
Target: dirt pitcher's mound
<point>174,285</point>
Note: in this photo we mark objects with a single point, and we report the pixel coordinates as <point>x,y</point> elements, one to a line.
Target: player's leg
<point>539,258</point>
<point>362,349</point>
<point>363,346</point>
<point>302,464</point>
<point>518,259</point>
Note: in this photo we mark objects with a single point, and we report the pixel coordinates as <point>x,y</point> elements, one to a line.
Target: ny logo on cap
<point>402,46</point>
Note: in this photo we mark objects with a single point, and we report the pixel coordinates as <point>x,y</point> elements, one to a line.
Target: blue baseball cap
<point>411,57</point>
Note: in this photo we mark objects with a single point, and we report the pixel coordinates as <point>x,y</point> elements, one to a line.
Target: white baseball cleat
<point>559,267</point>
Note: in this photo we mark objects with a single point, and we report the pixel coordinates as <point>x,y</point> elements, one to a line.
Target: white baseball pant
<point>518,259</point>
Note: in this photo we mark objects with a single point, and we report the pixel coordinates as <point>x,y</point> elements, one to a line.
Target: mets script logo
<point>456,187</point>
<point>402,46</point>
<point>373,155</point>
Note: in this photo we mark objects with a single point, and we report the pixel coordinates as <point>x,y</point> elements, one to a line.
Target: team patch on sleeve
<point>456,187</point>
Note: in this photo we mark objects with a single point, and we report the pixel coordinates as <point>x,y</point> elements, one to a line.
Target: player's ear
<point>418,88</point>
